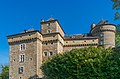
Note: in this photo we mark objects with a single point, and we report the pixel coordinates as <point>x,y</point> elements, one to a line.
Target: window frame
<point>22,47</point>
<point>49,31</point>
<point>45,53</point>
<point>51,53</point>
<point>22,58</point>
<point>21,70</point>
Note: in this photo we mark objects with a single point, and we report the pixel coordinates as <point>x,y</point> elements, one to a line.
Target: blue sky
<point>75,16</point>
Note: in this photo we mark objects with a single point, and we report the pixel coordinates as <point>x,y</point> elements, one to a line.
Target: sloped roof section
<point>103,22</point>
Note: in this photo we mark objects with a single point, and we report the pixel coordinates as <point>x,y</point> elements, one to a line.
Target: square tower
<point>51,26</point>
<point>53,38</point>
<point>25,55</point>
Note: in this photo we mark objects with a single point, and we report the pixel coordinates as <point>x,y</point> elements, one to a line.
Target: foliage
<point>116,6</point>
<point>84,63</point>
<point>5,72</point>
<point>117,39</point>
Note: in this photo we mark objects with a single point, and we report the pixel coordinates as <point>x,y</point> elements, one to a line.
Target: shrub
<point>84,63</point>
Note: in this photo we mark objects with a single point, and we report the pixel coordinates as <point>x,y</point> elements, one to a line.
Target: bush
<point>84,63</point>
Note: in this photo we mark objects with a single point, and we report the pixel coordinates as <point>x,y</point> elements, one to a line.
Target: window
<point>101,42</point>
<point>30,58</point>
<point>13,59</point>
<point>51,42</point>
<point>22,47</point>
<point>21,70</point>
<point>51,53</point>
<point>20,78</point>
<point>45,53</point>
<point>101,35</point>
<point>21,58</point>
<point>49,31</point>
<point>48,24</point>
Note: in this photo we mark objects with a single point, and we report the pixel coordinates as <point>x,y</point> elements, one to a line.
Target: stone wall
<point>32,55</point>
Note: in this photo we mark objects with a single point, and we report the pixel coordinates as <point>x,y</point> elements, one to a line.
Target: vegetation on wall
<point>84,63</point>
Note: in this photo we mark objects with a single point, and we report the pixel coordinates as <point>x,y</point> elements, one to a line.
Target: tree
<point>84,63</point>
<point>117,39</point>
<point>116,6</point>
<point>5,72</point>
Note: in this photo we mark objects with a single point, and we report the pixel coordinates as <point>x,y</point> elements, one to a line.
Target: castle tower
<point>53,35</point>
<point>105,32</point>
<point>25,55</point>
<point>51,26</point>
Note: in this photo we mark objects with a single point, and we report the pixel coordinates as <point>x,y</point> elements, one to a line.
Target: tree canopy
<point>5,72</point>
<point>116,6</point>
<point>84,63</point>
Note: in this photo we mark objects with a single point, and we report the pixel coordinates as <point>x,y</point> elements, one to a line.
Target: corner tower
<point>106,33</point>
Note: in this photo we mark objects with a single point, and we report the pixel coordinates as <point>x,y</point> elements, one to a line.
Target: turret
<point>92,25</point>
<point>106,33</point>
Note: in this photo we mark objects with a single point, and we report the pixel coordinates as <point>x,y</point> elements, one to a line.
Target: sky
<point>75,17</point>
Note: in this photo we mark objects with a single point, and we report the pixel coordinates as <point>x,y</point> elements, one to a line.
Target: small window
<point>21,70</point>
<point>101,35</point>
<point>13,59</point>
<point>22,47</point>
<point>51,42</point>
<point>48,24</point>
<point>46,43</point>
<point>49,31</point>
<point>51,53</point>
<point>20,78</point>
<point>45,53</point>
<point>101,42</point>
<point>21,58</point>
<point>30,58</point>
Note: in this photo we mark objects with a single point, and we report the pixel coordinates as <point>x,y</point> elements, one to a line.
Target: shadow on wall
<point>34,77</point>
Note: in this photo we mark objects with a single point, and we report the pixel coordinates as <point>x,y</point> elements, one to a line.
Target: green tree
<point>84,63</point>
<point>5,72</point>
<point>116,6</point>
<point>117,39</point>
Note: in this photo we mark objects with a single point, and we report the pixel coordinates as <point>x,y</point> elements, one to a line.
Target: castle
<point>30,48</point>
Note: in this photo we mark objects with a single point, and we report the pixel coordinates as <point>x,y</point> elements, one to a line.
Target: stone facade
<point>29,49</point>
